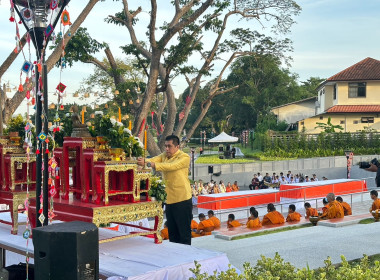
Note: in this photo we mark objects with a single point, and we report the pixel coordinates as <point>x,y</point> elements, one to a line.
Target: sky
<point>329,36</point>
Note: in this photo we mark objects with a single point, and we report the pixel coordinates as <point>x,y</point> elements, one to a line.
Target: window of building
<point>368,120</point>
<point>342,122</point>
<point>321,118</point>
<point>334,92</point>
<point>356,122</point>
<point>356,90</point>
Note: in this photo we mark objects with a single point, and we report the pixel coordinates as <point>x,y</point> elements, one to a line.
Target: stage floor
<point>131,258</point>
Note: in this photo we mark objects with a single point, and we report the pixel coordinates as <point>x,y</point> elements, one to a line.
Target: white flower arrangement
<point>127,131</point>
<point>113,121</point>
<point>67,114</point>
<point>98,113</point>
<point>119,124</point>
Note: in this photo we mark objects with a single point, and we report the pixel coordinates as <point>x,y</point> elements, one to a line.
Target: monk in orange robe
<point>293,216</point>
<point>273,217</point>
<point>231,223</point>
<point>194,225</point>
<point>165,232</point>
<point>335,209</point>
<point>253,220</point>
<point>229,187</point>
<point>346,207</point>
<point>310,212</point>
<point>213,219</point>
<point>235,187</point>
<point>376,201</point>
<point>325,206</point>
<point>205,227</point>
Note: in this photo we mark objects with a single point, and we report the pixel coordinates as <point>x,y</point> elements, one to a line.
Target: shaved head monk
<point>253,220</point>
<point>194,224</point>
<point>273,217</point>
<point>213,219</point>
<point>335,209</point>
<point>165,232</point>
<point>346,207</point>
<point>231,223</point>
<point>205,227</point>
<point>310,212</point>
<point>293,216</point>
<point>376,201</point>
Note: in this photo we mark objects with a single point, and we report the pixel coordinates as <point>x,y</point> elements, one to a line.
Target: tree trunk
<point>149,94</point>
<point>117,77</point>
<point>203,113</point>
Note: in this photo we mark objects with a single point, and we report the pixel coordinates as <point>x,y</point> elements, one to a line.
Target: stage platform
<point>132,258</point>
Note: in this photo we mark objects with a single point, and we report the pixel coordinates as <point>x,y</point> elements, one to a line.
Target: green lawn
<point>214,159</point>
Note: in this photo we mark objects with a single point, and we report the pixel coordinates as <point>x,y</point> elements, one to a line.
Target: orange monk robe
<point>165,234</point>
<point>311,212</point>
<point>376,204</point>
<point>272,218</point>
<point>324,209</point>
<point>235,188</point>
<point>335,210</point>
<point>233,223</point>
<point>194,225</point>
<point>205,227</point>
<point>293,217</point>
<point>215,221</point>
<point>346,208</point>
<point>254,223</point>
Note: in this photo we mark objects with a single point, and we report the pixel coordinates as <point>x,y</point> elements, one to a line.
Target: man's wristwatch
<point>149,164</point>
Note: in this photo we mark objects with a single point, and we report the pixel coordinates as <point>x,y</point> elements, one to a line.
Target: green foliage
<point>214,159</point>
<point>65,130</point>
<point>300,145</point>
<point>117,135</point>
<point>328,127</point>
<point>16,124</point>
<point>278,269</point>
<point>157,189</point>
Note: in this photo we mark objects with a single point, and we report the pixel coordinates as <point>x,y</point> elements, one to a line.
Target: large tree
<point>197,30</point>
<point>13,103</point>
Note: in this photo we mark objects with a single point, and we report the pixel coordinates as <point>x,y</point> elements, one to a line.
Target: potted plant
<point>157,189</point>
<point>118,137</point>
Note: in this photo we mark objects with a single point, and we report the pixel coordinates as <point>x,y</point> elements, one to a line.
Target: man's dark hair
<point>292,207</point>
<point>210,212</point>
<point>374,192</point>
<point>173,138</point>
<point>307,204</point>
<point>252,209</point>
<point>339,198</point>
<point>231,216</point>
<point>201,215</point>
<point>271,207</point>
<point>255,213</point>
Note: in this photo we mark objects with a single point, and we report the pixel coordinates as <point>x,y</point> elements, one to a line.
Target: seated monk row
<point>347,211</point>
<point>232,223</point>
<point>206,226</point>
<point>310,212</point>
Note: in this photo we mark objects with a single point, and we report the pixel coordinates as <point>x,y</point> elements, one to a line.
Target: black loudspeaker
<point>210,169</point>
<point>66,251</point>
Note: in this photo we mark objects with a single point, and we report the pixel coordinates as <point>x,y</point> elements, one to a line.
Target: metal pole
<point>46,156</point>
<point>39,156</point>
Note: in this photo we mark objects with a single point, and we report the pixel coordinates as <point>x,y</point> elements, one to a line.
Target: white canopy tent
<point>223,138</point>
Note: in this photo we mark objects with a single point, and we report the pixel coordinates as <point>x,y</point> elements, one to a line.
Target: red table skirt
<point>292,191</point>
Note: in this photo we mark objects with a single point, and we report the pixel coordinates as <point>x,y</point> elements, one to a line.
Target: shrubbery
<point>278,269</point>
<point>300,145</point>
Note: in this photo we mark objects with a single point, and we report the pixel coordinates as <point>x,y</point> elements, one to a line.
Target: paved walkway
<point>305,246</point>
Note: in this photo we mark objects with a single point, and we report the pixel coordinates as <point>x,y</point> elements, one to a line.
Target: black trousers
<point>178,217</point>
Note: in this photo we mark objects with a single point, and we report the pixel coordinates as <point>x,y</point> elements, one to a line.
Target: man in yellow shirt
<point>174,166</point>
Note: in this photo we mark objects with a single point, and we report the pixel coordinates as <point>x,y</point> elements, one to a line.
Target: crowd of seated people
<point>200,188</point>
<point>263,182</point>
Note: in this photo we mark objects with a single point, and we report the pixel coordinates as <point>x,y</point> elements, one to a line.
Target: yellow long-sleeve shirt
<point>175,171</point>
